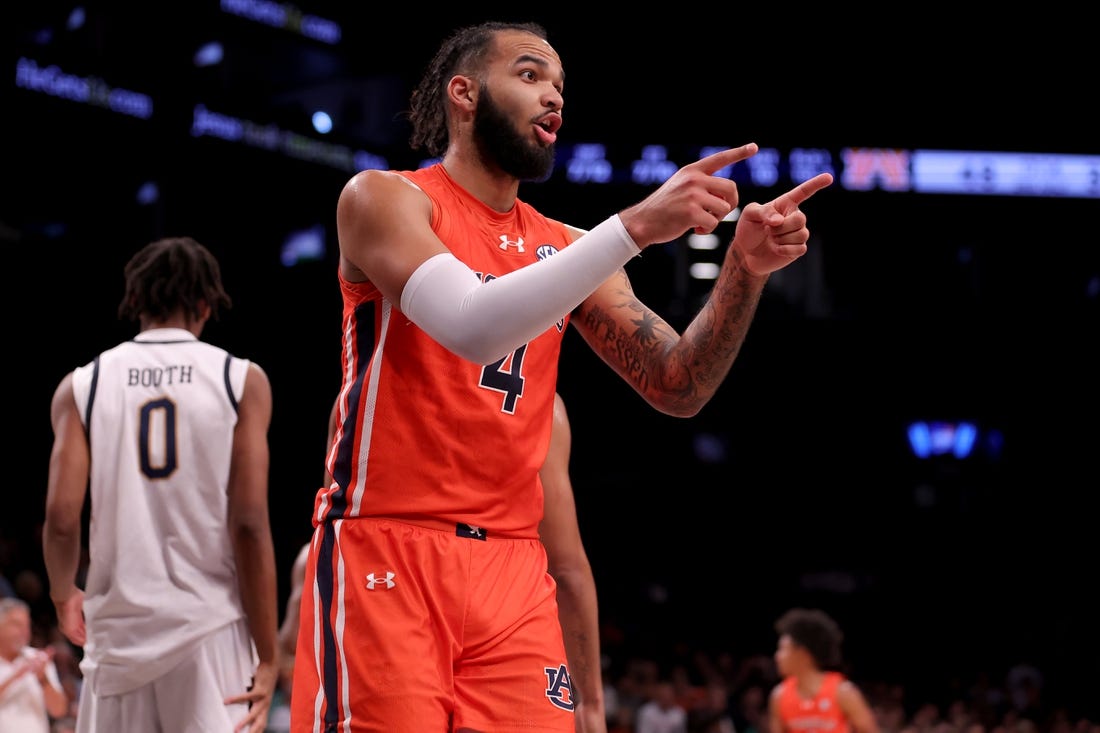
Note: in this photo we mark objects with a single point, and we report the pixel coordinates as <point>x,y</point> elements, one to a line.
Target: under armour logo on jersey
<point>559,687</point>
<point>505,243</point>
<point>373,580</point>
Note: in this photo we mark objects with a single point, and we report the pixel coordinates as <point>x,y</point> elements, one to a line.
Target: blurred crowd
<point>710,690</point>
<point>721,693</point>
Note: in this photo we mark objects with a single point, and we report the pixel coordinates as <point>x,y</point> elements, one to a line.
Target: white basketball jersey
<point>160,413</point>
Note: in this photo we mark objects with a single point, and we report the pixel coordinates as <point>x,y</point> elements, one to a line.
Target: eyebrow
<point>541,61</point>
<point>528,58</point>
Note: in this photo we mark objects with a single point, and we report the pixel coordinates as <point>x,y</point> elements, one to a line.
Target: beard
<point>500,144</point>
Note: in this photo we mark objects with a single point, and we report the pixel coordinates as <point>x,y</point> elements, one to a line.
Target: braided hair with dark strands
<point>169,276</point>
<point>816,632</point>
<point>464,52</point>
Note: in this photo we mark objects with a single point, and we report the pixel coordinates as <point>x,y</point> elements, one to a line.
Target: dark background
<point>909,307</point>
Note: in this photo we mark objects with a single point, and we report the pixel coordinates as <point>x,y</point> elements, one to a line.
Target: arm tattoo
<point>678,373</point>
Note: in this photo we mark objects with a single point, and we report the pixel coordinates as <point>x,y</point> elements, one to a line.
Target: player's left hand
<point>590,718</point>
<point>258,699</point>
<point>771,236</point>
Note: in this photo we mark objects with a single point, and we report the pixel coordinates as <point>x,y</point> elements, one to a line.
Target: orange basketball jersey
<point>423,434</point>
<point>817,714</point>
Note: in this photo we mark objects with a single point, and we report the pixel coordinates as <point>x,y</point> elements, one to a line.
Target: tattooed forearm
<point>625,351</point>
<point>714,337</point>
<point>642,348</point>
<point>677,374</point>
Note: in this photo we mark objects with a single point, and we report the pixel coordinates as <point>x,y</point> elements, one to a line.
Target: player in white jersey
<point>178,615</point>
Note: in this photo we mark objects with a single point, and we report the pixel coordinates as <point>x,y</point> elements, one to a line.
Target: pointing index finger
<point>717,161</point>
<point>789,201</point>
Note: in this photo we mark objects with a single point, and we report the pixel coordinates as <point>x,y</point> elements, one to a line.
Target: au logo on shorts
<point>374,582</point>
<point>559,687</point>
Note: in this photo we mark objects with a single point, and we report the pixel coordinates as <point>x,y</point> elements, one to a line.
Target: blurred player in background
<point>813,696</point>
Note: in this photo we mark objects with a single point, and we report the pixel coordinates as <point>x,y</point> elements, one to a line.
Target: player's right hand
<point>70,617</point>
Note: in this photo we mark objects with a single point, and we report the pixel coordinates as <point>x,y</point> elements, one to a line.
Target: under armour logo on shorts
<point>373,580</point>
<point>471,532</point>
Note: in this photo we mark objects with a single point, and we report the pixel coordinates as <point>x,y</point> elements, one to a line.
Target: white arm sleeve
<point>484,322</point>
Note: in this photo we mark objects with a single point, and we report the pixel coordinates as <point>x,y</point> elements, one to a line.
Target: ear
<point>205,311</point>
<point>462,92</point>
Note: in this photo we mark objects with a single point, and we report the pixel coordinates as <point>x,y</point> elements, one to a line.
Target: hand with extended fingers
<point>771,236</point>
<point>768,236</point>
<point>693,198</point>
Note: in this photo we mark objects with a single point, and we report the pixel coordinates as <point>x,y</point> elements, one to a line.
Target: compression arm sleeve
<point>484,322</point>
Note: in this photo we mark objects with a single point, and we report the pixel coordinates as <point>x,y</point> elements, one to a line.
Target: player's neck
<point>186,324</point>
<point>491,186</point>
<point>809,682</point>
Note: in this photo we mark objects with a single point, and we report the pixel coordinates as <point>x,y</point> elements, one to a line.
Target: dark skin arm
<point>288,631</point>
<point>66,485</point>
<point>254,549</point>
<point>571,570</point>
<point>678,374</point>
<point>855,706</point>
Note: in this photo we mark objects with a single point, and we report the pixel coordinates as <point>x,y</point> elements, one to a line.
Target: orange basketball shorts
<point>410,629</point>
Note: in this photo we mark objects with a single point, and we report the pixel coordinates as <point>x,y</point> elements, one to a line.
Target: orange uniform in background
<point>817,714</point>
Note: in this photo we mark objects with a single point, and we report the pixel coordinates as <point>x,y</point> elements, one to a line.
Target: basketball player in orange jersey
<point>427,606</point>
<point>813,697</point>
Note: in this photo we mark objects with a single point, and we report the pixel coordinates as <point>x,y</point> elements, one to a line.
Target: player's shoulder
<point>574,232</point>
<point>372,179</point>
<point>847,690</point>
<point>380,190</point>
<point>63,392</point>
<point>256,378</point>
<point>255,368</point>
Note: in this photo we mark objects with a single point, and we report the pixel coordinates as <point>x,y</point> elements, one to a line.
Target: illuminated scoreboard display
<point>1009,174</point>
<point>863,169</point>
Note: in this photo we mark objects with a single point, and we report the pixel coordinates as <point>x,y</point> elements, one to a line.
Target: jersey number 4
<point>505,376</point>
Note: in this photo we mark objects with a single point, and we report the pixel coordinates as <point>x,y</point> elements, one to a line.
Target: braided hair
<point>464,52</point>
<point>169,276</point>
